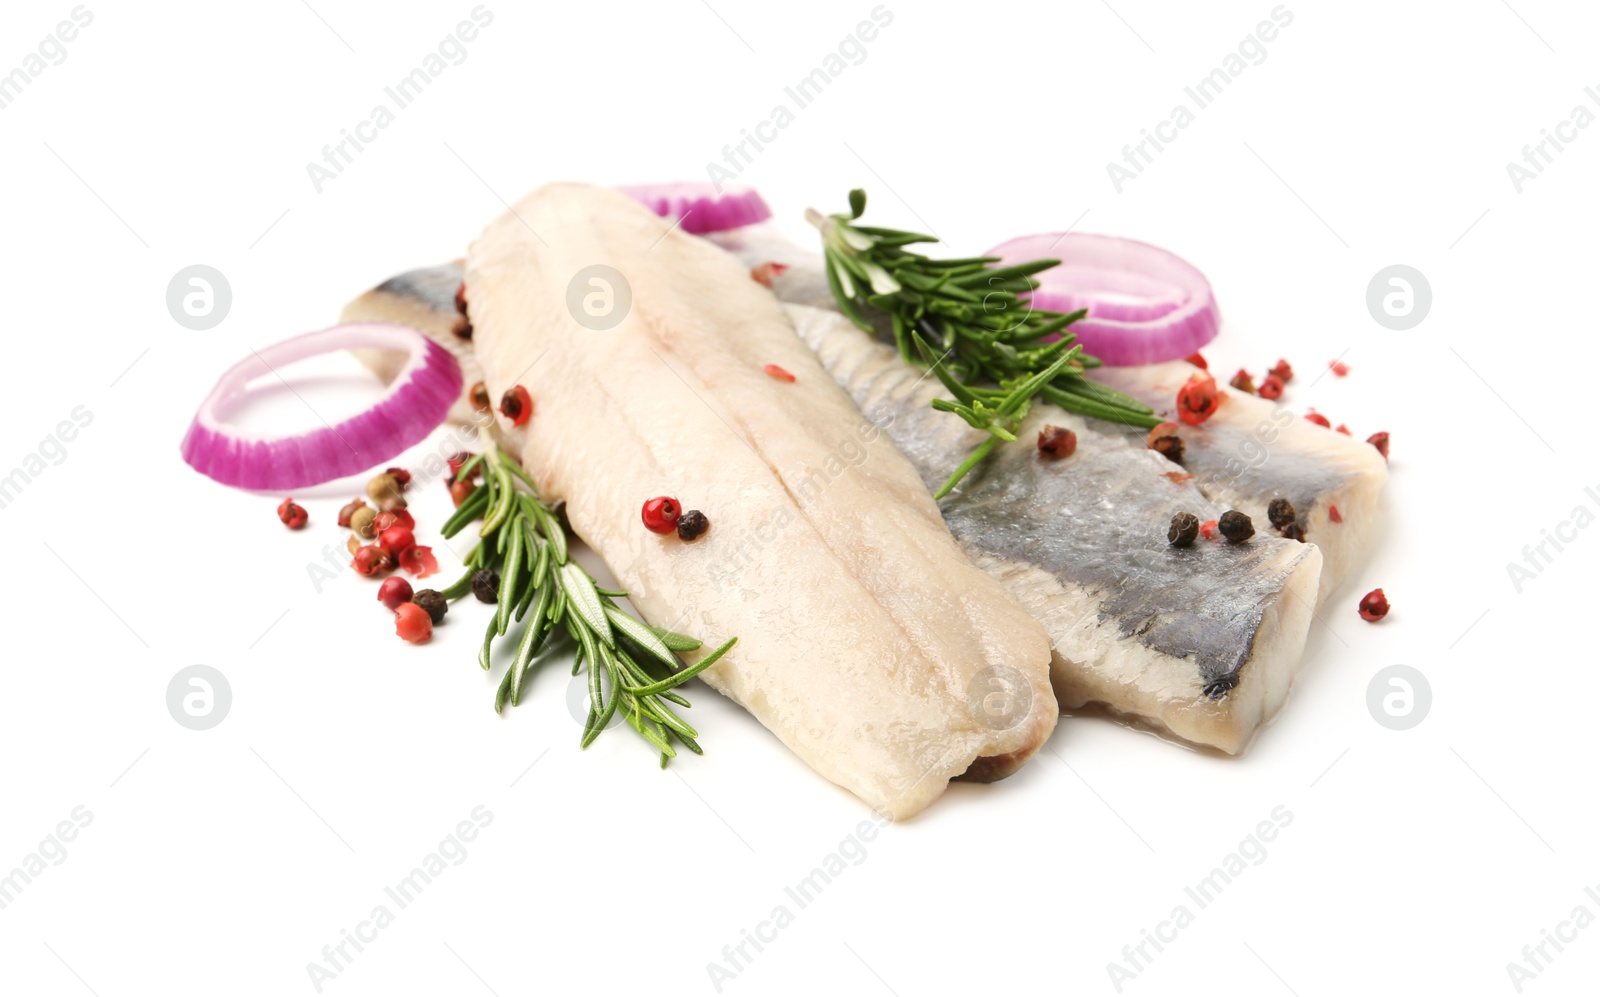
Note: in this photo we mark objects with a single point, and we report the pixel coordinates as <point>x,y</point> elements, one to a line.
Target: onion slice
<point>700,206</point>
<point>1145,304</point>
<point>417,401</point>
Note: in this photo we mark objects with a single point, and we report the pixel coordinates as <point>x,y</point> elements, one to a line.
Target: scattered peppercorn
<point>413,623</point>
<point>402,477</point>
<point>1208,529</point>
<point>1198,399</point>
<point>1280,513</point>
<point>460,490</point>
<point>692,525</point>
<point>1374,606</point>
<point>1294,531</point>
<point>516,405</point>
<point>1185,527</point>
<point>1319,419</point>
<point>461,298</point>
<point>1381,441</point>
<point>660,514</point>
<point>1339,368</point>
<point>394,591</point>
<point>1282,371</point>
<point>1198,360</point>
<point>372,559</point>
<point>434,603</point>
<point>1342,428</point>
<point>1160,430</point>
<point>397,540</point>
<point>1235,526</point>
<point>383,488</point>
<point>1333,514</point>
<point>765,273</point>
<point>461,328</point>
<point>362,522</point>
<point>486,585</point>
<point>778,373</point>
<point>1055,441</point>
<point>1271,387</point>
<point>398,517</point>
<point>1243,382</point>
<point>292,515</point>
<point>1170,447</point>
<point>480,397</point>
<point>349,510</point>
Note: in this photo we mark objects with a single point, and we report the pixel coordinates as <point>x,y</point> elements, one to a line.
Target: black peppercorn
<point>1185,527</point>
<point>1294,531</point>
<point>692,524</point>
<point>1170,447</point>
<point>434,602</point>
<point>1235,526</point>
<point>462,328</point>
<point>486,585</point>
<point>1280,513</point>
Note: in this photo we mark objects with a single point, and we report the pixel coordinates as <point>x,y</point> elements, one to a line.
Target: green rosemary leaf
<point>688,673</point>
<point>640,635</point>
<point>579,587</point>
<point>676,641</point>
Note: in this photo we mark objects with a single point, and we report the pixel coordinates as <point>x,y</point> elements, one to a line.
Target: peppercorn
<point>1057,442</point>
<point>1271,387</point>
<point>292,516</point>
<point>1198,399</point>
<point>486,585</point>
<point>1282,371</point>
<point>461,329</point>
<point>1185,527</point>
<point>372,559</point>
<point>458,461</point>
<point>412,623</point>
<point>402,477</point>
<point>1208,529</point>
<point>1170,447</point>
<point>777,373</point>
<point>1242,381</point>
<point>1198,360</point>
<point>1319,419</point>
<point>383,488</point>
<point>516,405</point>
<point>1280,513</point>
<point>480,397</point>
<point>394,591</point>
<point>460,490</point>
<point>692,525</point>
<point>660,514</point>
<point>1294,531</point>
<point>1235,526</point>
<point>1381,441</point>
<point>434,602</point>
<point>399,517</point>
<point>1374,606</point>
<point>363,522</point>
<point>349,510</point>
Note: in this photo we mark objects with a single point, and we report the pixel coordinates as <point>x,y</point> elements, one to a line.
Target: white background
<point>223,861</point>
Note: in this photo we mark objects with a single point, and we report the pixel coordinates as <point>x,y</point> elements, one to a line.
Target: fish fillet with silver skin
<point>867,641</point>
<point>1247,454</point>
<point>1202,642</point>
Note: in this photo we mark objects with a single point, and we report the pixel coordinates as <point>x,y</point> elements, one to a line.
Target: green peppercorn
<point>1185,527</point>
<point>361,522</point>
<point>384,487</point>
<point>486,585</point>
<point>434,602</point>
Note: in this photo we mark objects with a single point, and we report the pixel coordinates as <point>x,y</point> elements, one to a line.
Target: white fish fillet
<point>867,641</point>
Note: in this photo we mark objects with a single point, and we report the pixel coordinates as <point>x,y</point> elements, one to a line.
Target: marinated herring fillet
<point>1247,454</point>
<point>1202,642</point>
<point>867,641</point>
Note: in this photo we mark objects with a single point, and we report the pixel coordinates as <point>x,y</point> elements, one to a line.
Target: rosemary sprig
<point>632,667</point>
<point>966,320</point>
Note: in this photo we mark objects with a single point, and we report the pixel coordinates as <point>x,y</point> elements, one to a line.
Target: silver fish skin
<point>1251,452</point>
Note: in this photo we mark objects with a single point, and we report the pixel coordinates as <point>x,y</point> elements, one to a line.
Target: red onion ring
<point>1145,304</point>
<point>701,206</point>
<point>417,401</point>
